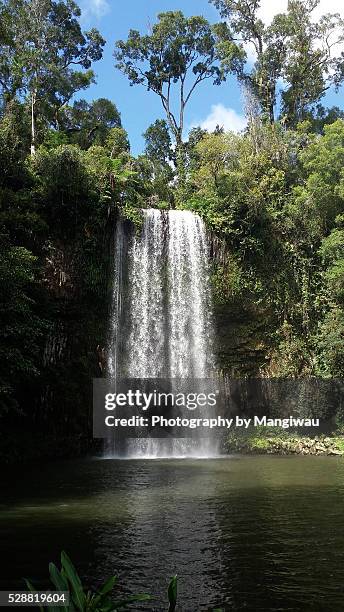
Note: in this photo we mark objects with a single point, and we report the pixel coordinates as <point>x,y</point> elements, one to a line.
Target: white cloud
<point>224,117</point>
<point>94,9</point>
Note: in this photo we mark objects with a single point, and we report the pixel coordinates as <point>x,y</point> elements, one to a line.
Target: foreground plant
<point>172,594</point>
<point>67,579</point>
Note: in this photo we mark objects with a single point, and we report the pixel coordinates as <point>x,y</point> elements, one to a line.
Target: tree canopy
<point>295,49</point>
<point>45,57</point>
<point>179,53</point>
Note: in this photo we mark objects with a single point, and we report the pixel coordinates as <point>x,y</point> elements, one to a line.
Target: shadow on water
<point>257,533</point>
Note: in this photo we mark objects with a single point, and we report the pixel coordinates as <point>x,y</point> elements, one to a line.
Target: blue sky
<point>208,106</point>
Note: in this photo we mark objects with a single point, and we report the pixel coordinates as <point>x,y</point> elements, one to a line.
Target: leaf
<point>72,575</point>
<point>59,581</point>
<point>49,608</point>
<point>172,593</point>
<point>108,585</point>
<point>106,605</point>
<point>103,591</point>
<point>32,590</point>
<point>123,603</point>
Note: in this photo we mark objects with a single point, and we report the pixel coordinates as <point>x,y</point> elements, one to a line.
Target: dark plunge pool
<point>255,533</point>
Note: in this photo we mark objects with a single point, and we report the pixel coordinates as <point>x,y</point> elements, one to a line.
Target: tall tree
<point>177,56</point>
<point>158,163</point>
<point>41,54</point>
<point>313,64</point>
<point>247,29</point>
<point>89,123</point>
<point>158,143</point>
<point>293,47</point>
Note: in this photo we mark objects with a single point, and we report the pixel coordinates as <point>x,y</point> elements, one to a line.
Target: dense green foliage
<point>272,197</point>
<point>275,198</point>
<point>39,51</point>
<point>57,214</point>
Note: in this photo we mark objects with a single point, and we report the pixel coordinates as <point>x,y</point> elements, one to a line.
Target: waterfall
<point>115,338</point>
<point>145,350</point>
<point>190,320</point>
<point>161,325</point>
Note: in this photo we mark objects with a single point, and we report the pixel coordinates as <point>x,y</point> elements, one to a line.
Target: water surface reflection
<point>256,533</point>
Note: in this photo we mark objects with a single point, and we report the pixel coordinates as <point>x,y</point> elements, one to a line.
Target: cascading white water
<point>190,320</point>
<point>145,355</point>
<point>162,321</point>
<point>117,299</point>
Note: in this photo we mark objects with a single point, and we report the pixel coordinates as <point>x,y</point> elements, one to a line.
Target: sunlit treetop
<point>178,51</point>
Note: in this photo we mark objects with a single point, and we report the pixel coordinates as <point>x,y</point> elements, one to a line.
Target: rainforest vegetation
<point>272,197</point>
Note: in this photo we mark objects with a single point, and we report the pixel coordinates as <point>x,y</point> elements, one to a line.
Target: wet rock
<point>320,448</point>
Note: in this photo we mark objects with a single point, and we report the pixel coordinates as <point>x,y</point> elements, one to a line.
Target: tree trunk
<point>180,161</point>
<point>33,124</point>
<point>271,113</point>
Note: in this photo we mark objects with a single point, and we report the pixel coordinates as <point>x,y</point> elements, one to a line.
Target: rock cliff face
<point>243,331</point>
<point>242,343</point>
<point>77,290</point>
